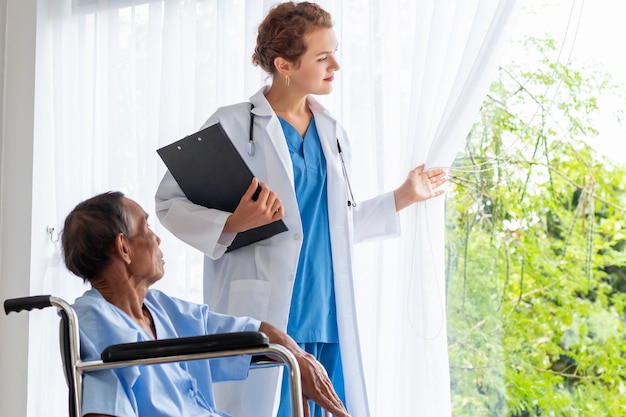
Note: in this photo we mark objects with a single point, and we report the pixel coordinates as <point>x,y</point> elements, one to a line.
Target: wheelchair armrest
<point>184,346</point>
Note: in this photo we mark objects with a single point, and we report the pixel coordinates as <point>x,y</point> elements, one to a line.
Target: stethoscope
<point>251,148</point>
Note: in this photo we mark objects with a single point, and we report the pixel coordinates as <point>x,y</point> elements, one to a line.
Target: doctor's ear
<point>283,67</point>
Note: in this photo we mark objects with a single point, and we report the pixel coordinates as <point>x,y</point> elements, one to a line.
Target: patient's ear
<point>121,248</point>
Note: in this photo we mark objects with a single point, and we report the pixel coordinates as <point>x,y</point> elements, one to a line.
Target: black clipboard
<point>211,173</point>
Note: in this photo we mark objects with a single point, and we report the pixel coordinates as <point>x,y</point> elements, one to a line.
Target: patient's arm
<point>316,385</point>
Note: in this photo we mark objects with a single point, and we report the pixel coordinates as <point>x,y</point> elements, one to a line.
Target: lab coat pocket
<point>249,297</point>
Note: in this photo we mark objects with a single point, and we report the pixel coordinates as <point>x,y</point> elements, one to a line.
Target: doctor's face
<point>316,70</point>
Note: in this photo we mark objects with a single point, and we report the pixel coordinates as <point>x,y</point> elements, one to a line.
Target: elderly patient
<point>107,241</point>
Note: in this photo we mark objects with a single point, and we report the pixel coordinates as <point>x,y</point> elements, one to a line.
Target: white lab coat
<point>257,280</point>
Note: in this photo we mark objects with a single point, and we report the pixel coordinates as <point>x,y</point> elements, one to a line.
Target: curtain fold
<point>117,79</point>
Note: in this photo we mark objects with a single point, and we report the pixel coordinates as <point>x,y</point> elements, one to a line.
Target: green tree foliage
<point>536,260</point>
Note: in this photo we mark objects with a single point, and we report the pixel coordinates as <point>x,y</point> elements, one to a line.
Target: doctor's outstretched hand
<point>251,212</point>
<point>419,186</point>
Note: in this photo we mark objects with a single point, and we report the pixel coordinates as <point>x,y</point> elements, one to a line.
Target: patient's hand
<point>316,386</point>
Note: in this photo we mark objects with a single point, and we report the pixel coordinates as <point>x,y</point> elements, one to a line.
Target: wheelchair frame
<point>256,344</point>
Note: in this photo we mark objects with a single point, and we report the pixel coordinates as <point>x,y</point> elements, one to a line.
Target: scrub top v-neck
<point>312,316</point>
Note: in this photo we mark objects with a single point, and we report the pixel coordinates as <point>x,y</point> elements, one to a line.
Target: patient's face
<point>146,256</point>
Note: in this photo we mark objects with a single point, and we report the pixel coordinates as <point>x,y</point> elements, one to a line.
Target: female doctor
<point>299,280</point>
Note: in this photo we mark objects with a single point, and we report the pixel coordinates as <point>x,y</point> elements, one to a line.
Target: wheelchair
<point>255,344</point>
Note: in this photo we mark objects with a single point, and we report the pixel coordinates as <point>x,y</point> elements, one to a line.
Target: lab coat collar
<point>261,105</point>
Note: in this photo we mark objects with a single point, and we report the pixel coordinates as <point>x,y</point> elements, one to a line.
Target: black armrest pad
<point>184,346</point>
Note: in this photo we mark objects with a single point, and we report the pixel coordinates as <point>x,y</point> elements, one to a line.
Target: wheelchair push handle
<point>26,303</point>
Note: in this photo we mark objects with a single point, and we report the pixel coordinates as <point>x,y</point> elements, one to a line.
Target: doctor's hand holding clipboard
<point>255,212</point>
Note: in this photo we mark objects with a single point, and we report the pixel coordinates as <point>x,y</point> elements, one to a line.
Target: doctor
<point>300,280</point>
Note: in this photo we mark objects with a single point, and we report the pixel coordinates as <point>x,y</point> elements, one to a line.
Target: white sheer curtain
<point>455,50</point>
<point>430,64</point>
<point>116,79</point>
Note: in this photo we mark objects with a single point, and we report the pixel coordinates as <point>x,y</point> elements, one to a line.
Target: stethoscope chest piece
<point>250,147</point>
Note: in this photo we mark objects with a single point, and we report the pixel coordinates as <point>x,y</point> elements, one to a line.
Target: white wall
<point>17,86</point>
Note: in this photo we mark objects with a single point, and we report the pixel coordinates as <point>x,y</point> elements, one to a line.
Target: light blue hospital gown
<point>174,389</point>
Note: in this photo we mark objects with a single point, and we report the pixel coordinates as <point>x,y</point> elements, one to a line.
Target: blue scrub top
<point>312,316</point>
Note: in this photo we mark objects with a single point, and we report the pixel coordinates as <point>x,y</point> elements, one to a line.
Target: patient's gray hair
<point>89,233</point>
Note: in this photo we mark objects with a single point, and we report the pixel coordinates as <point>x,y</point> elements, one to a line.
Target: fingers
<point>279,213</point>
<point>305,406</point>
<point>437,179</point>
<point>273,207</point>
<point>333,405</point>
<point>318,388</point>
<point>274,204</point>
<point>437,193</point>
<point>252,188</point>
<point>336,408</point>
<point>436,176</point>
<point>436,173</point>
<point>267,199</point>
<point>258,206</point>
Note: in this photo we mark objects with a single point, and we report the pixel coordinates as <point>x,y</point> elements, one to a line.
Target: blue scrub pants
<point>328,355</point>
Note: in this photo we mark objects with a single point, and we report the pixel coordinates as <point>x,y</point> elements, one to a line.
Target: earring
<point>287,80</point>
